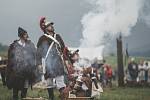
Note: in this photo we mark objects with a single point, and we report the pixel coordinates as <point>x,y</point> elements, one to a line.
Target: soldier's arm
<point>39,53</point>
<point>60,40</point>
<point>10,56</point>
<point>41,50</point>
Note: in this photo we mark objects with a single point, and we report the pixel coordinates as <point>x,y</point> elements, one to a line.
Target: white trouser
<point>56,82</point>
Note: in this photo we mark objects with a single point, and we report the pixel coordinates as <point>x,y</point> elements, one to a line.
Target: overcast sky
<point>66,14</point>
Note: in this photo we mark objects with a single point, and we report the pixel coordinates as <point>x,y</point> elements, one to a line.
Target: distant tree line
<point>3,50</point>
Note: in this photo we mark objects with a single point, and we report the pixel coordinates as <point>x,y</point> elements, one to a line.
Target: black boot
<point>15,94</point>
<point>61,93</point>
<point>50,93</point>
<point>24,92</point>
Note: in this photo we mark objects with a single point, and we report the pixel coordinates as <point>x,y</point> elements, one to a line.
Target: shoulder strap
<point>52,38</point>
<point>44,59</point>
<point>55,36</point>
<point>50,47</point>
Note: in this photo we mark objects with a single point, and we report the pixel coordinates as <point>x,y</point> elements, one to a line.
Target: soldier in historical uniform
<point>54,61</point>
<point>21,64</point>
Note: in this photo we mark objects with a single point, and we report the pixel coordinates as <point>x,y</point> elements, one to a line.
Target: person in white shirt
<point>141,74</point>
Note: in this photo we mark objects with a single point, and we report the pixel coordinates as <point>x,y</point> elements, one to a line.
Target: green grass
<point>114,93</point>
<point>126,94</point>
<point>6,94</point>
<point>3,54</point>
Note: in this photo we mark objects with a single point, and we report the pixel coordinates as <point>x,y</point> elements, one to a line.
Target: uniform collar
<point>22,44</point>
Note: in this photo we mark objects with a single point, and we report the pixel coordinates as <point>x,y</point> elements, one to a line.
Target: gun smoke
<point>107,19</point>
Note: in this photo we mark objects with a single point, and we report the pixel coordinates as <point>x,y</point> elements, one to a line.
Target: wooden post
<point>120,62</point>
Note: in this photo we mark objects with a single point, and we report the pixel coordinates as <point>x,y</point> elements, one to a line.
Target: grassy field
<point>6,94</point>
<point>126,94</point>
<point>114,93</point>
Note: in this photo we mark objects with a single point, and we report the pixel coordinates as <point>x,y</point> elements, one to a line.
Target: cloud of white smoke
<point>145,12</point>
<point>107,19</point>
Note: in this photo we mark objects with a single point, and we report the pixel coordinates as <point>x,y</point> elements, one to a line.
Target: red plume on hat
<point>42,23</point>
